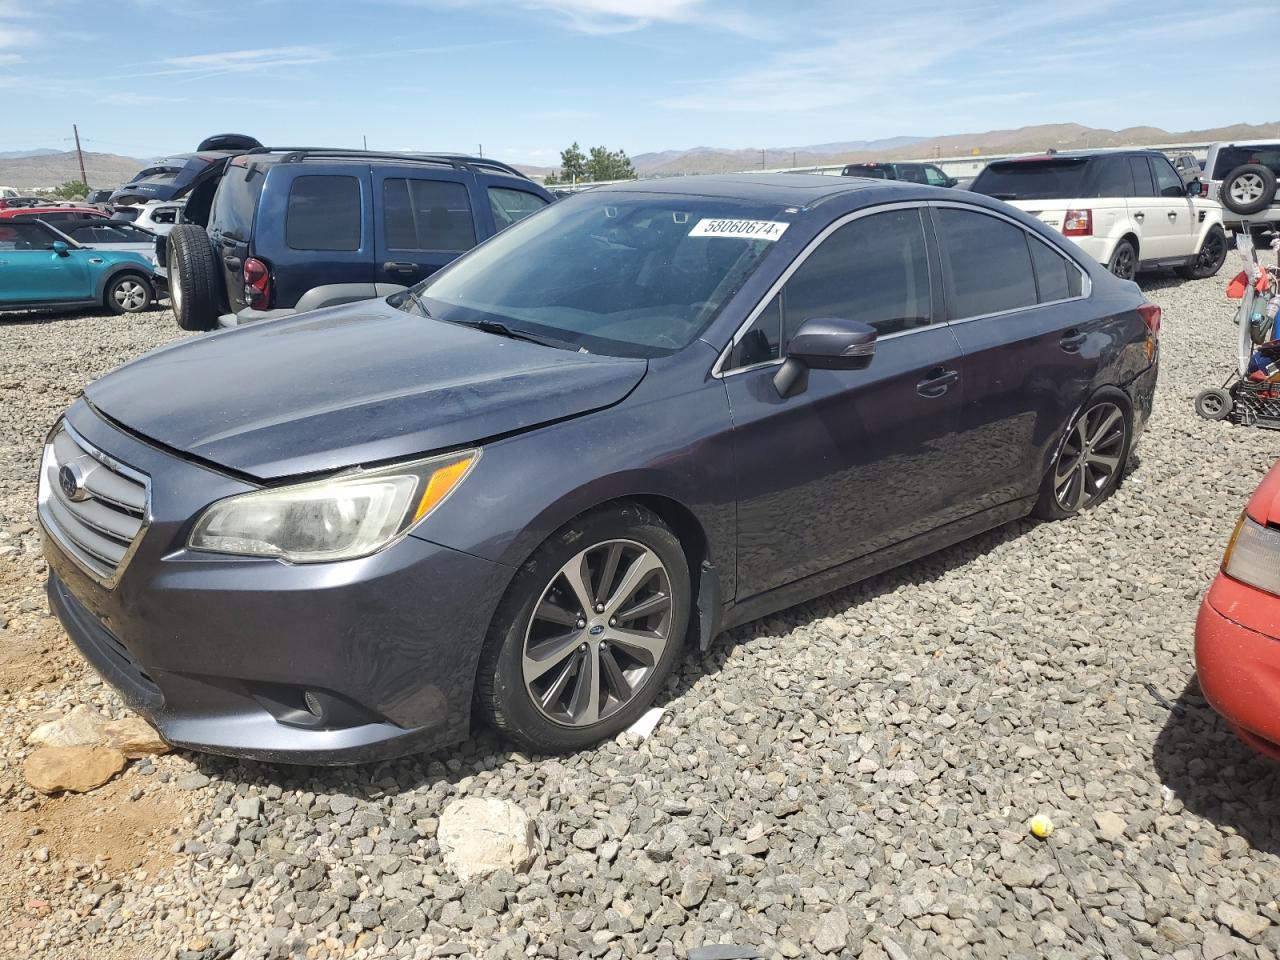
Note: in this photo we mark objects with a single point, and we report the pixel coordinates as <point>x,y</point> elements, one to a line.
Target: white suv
<point>1242,177</point>
<point>1128,209</point>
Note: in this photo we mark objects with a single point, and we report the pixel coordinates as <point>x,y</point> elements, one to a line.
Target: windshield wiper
<point>500,329</point>
<point>419,303</point>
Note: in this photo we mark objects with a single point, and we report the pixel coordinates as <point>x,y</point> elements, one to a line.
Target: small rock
<point>77,769</point>
<point>1248,925</point>
<point>694,889</point>
<point>1110,826</point>
<point>134,737</point>
<point>191,781</point>
<point>1216,945</point>
<point>831,934</point>
<point>480,835</point>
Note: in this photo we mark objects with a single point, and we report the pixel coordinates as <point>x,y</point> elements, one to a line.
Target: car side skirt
<point>49,305</point>
<point>873,563</point>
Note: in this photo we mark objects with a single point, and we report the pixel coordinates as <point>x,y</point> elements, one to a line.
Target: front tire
<point>1124,261</point>
<point>1213,253</point>
<point>588,631</point>
<point>1090,460</point>
<point>128,293</point>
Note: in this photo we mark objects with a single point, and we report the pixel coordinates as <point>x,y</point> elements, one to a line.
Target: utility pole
<point>481,146</point>
<point>761,158</point>
<point>793,159</point>
<point>80,154</point>
<point>366,141</point>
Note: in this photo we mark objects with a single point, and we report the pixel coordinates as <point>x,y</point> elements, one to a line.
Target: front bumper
<point>219,652</point>
<point>1239,668</point>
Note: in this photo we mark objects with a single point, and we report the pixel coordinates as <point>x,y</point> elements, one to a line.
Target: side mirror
<point>60,248</point>
<point>824,343</point>
<point>1196,188</point>
<point>951,182</point>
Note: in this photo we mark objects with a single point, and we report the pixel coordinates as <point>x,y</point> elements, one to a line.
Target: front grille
<point>94,506</point>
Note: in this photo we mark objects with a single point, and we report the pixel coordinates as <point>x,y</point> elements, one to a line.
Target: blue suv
<point>278,231</point>
<point>42,268</point>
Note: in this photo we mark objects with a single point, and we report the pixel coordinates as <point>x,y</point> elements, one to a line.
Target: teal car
<point>42,268</point>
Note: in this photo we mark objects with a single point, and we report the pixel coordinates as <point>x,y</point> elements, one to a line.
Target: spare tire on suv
<point>194,288</point>
<point>1249,188</point>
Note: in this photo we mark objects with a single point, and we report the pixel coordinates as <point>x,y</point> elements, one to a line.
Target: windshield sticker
<point>740,229</point>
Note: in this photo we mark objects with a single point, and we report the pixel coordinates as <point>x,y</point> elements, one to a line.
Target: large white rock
<point>478,835</point>
<point>82,727</point>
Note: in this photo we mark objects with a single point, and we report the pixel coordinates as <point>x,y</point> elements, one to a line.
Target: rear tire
<point>549,640</point>
<point>1091,458</point>
<point>128,293</point>
<point>1124,261</point>
<point>194,278</point>
<point>1214,403</point>
<point>1209,260</point>
<point>1249,188</point>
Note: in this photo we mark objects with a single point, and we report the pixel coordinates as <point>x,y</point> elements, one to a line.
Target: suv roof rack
<point>457,160</point>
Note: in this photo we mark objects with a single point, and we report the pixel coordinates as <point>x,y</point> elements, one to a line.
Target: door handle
<point>399,266</point>
<point>1173,214</point>
<point>936,382</point>
<point>1072,340</point>
<point>1140,215</point>
<point>233,262</point>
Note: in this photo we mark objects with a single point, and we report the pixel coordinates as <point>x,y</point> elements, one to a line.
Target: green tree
<point>573,164</point>
<point>71,190</point>
<point>605,164</point>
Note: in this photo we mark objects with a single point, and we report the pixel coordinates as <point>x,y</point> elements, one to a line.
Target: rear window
<point>1267,154</point>
<point>427,215</point>
<point>512,206</point>
<point>1032,179</point>
<point>235,202</point>
<point>988,262</point>
<point>324,213</point>
<point>877,173</point>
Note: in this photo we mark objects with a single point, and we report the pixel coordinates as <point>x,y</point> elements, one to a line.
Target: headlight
<point>1253,555</point>
<point>336,519</point>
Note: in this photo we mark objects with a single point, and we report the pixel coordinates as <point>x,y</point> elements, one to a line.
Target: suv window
<point>511,206</point>
<point>987,261</point>
<point>235,202</point>
<point>1111,177</point>
<point>862,170</point>
<point>1168,182</point>
<point>1057,278</point>
<point>935,177</point>
<point>1267,154</point>
<point>25,236</point>
<point>164,215</point>
<point>427,215</point>
<point>323,214</point>
<point>1048,179</point>
<point>874,269</point>
<point>910,172</point>
<point>1143,185</point>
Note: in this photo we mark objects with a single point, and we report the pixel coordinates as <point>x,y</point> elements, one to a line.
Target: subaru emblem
<point>596,630</point>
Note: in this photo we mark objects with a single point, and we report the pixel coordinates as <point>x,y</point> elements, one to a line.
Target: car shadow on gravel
<point>1215,776</point>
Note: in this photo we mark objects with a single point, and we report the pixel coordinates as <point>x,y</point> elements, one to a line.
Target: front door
<point>424,220</point>
<point>32,271</point>
<point>859,459</point>
<point>1162,209</point>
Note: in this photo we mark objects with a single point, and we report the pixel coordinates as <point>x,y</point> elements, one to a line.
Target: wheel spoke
<point>655,604</point>
<point>1105,462</point>
<point>1082,485</point>
<point>645,646</point>
<point>544,656</point>
<point>610,571</point>
<point>557,688</point>
<point>639,571</point>
<point>1110,420</point>
<point>584,707</point>
<point>577,576</point>
<point>615,679</point>
<point>555,614</point>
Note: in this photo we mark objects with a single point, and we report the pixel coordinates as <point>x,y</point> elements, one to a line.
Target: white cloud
<point>16,36</point>
<point>243,61</point>
<point>621,16</point>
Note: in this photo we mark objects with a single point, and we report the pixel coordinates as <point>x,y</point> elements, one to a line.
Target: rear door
<point>31,271</point>
<point>1017,305</point>
<point>424,220</point>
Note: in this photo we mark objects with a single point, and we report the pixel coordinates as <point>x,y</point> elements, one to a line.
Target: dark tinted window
<point>427,215</point>
<point>1267,154</point>
<point>324,213</point>
<point>1111,177</point>
<point>1032,179</point>
<point>876,173</point>
<point>1056,277</point>
<point>25,236</point>
<point>165,215</point>
<point>761,342</point>
<point>911,172</point>
<point>987,261</point>
<point>874,269</point>
<point>236,200</point>
<point>511,206</point>
<point>1143,185</point>
<point>1167,180</point>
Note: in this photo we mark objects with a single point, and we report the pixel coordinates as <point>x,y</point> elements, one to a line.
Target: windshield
<point>637,275</point>
<point>1032,179</point>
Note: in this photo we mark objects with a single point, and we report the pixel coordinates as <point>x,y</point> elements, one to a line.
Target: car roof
<point>792,189</point>
<point>1084,154</point>
<point>36,211</point>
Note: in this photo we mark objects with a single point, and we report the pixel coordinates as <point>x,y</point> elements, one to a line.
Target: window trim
<point>717,369</point>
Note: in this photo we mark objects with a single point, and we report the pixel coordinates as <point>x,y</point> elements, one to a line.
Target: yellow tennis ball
<point>1041,826</point>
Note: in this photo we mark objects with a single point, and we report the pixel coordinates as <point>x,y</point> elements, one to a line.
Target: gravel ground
<point>852,777</point>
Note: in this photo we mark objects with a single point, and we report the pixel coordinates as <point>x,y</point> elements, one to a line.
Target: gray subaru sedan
<point>522,489</point>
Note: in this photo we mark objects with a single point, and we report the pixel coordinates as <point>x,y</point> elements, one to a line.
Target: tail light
<point>1078,223</point>
<point>1150,314</point>
<point>257,284</point>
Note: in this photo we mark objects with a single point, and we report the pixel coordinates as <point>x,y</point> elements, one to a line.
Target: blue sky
<point>526,77</point>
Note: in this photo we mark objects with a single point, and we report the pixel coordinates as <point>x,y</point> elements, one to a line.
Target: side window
<point>1167,180</point>
<point>1112,178</point>
<point>935,177</point>
<point>512,206</point>
<point>235,202</point>
<point>1057,278</point>
<point>427,215</point>
<point>987,261</point>
<point>24,236</point>
<point>761,342</point>
<point>323,214</point>
<point>1143,185</point>
<point>911,172</point>
<point>874,269</point>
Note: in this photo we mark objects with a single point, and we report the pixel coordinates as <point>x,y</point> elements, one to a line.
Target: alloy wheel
<point>1090,457</point>
<point>130,295</point>
<point>1213,251</point>
<point>1247,188</point>
<point>1125,265</point>
<point>597,633</point>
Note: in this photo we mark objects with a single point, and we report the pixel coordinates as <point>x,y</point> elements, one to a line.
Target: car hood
<point>353,384</point>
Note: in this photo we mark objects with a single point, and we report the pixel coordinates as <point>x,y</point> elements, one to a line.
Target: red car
<point>55,213</point>
<point>1238,630</point>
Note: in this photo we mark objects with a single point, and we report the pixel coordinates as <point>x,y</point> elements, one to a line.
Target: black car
<point>170,177</point>
<point>926,173</point>
<point>524,487</point>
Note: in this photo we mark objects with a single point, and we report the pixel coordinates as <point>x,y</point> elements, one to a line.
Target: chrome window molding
<point>65,542</point>
<point>1086,283</point>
